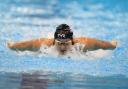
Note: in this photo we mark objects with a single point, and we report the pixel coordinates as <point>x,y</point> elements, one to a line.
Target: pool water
<point>27,19</point>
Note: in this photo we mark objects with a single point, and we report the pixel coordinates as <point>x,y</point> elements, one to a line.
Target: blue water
<point>101,19</point>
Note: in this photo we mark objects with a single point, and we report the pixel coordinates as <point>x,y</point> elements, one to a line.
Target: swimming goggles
<point>62,42</point>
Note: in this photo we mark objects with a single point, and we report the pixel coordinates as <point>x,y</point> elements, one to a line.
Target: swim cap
<point>63,31</point>
<point>62,27</point>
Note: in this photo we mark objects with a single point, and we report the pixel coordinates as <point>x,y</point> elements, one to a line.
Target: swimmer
<point>63,40</point>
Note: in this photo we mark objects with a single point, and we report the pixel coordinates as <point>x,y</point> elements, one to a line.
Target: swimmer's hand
<point>114,43</point>
<point>10,44</point>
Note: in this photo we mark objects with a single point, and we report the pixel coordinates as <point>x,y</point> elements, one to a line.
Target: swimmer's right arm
<point>32,45</point>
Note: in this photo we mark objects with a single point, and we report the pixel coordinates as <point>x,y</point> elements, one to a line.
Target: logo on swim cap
<point>61,36</point>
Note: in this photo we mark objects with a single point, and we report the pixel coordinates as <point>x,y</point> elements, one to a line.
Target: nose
<point>62,47</point>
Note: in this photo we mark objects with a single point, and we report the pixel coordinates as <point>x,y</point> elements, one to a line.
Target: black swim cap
<point>63,27</point>
<point>63,31</point>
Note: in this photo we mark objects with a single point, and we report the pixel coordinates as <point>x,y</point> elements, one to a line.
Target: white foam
<point>78,54</point>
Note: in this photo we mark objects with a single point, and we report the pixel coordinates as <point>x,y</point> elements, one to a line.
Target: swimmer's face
<point>63,47</point>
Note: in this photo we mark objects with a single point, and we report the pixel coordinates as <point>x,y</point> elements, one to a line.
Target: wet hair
<point>63,31</point>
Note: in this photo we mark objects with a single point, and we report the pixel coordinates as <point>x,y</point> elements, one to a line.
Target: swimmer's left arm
<point>94,44</point>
